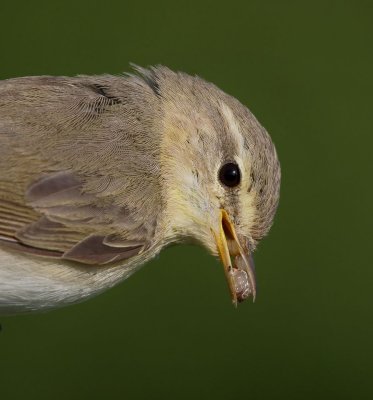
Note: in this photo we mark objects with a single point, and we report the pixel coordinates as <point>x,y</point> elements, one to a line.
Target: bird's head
<point>221,175</point>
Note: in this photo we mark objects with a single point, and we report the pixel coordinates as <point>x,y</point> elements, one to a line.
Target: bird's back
<point>79,181</point>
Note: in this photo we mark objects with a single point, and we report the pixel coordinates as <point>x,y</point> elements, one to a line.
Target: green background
<point>305,69</point>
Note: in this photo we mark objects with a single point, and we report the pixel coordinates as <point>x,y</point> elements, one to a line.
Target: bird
<point>99,173</point>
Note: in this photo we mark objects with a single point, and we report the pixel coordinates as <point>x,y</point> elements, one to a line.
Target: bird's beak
<point>240,274</point>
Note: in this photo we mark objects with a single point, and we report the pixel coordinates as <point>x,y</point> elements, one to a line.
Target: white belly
<point>37,284</point>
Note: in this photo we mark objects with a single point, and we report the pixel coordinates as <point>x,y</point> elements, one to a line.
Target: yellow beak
<point>239,274</point>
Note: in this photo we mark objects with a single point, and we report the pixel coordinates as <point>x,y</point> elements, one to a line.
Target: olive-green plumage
<point>99,173</point>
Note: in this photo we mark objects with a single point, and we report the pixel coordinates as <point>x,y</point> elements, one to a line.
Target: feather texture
<point>99,173</point>
<point>73,182</point>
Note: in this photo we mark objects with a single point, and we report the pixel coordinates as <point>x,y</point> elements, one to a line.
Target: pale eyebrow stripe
<point>232,125</point>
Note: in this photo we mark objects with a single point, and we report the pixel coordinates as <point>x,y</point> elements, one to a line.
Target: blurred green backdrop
<point>305,69</point>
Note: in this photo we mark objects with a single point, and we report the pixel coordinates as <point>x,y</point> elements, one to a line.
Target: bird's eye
<point>230,175</point>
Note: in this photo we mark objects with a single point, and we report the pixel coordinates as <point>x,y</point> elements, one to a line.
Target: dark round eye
<point>230,175</point>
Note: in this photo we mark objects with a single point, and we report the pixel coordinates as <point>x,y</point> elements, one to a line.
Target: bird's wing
<point>78,167</point>
<point>59,220</point>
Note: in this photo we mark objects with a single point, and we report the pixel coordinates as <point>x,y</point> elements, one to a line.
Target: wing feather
<point>79,169</point>
<point>69,224</point>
